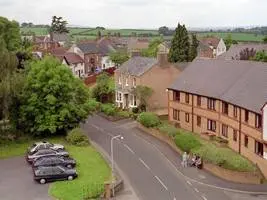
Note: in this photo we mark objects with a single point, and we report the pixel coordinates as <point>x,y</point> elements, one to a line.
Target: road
<point>150,173</point>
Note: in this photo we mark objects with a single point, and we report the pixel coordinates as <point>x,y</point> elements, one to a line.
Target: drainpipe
<point>239,138</point>
<point>192,113</point>
<point>167,90</point>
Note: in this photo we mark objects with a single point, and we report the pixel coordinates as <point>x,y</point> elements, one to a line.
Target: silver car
<point>44,145</point>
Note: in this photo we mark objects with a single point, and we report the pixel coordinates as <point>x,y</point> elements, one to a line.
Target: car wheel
<point>70,178</point>
<point>42,181</point>
<point>69,166</point>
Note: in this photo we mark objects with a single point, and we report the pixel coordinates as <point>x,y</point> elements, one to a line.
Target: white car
<point>44,145</point>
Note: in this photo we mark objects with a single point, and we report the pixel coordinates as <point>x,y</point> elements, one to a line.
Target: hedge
<point>77,137</point>
<point>108,109</point>
<point>168,129</point>
<point>148,119</point>
<point>187,142</point>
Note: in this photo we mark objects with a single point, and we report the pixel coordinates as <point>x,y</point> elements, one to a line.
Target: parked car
<point>54,161</point>
<point>30,157</point>
<point>46,174</point>
<point>44,145</point>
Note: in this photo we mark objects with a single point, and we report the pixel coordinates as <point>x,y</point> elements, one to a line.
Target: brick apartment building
<point>226,98</point>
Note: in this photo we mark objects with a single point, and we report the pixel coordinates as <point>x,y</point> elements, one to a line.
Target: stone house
<point>226,98</point>
<point>157,74</point>
<point>75,63</point>
<point>211,47</point>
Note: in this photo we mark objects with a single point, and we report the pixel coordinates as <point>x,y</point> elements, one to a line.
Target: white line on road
<point>203,197</point>
<point>129,148</point>
<point>189,182</point>
<point>95,126</point>
<point>143,162</point>
<point>196,189</point>
<point>161,182</point>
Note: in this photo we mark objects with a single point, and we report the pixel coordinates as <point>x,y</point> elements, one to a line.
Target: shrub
<point>168,129</point>
<point>135,110</point>
<point>224,157</point>
<point>123,114</point>
<point>94,105</point>
<point>77,137</point>
<point>108,109</point>
<point>187,142</point>
<point>148,119</point>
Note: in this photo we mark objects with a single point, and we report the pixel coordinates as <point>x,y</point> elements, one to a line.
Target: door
<point>126,101</point>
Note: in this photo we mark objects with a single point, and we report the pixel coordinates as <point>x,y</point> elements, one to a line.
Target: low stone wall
<point>234,176</point>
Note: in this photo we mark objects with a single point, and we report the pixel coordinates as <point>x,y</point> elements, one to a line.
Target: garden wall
<point>234,176</point>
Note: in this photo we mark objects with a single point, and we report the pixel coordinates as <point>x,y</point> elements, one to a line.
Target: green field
<point>242,37</point>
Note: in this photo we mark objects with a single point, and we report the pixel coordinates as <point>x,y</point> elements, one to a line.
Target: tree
<point>164,30</point>
<point>58,25</point>
<point>229,41</point>
<point>260,56</point>
<point>119,57</point>
<point>53,100</point>
<point>143,93</point>
<point>264,39</point>
<point>152,49</point>
<point>99,34</point>
<point>193,47</point>
<point>179,51</point>
<point>247,54</point>
<point>104,89</point>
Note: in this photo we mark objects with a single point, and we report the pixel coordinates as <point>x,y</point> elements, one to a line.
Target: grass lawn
<point>92,169</point>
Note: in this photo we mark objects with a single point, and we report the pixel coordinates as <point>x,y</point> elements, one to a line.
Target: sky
<point>139,13</point>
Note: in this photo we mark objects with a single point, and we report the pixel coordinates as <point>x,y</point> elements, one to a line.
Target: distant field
<point>242,37</point>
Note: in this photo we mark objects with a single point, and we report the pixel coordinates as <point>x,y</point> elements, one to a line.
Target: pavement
<point>153,170</point>
<point>16,181</point>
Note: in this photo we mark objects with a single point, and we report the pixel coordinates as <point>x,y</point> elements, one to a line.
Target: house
<point>137,45</point>
<point>75,63</point>
<point>95,54</point>
<point>233,52</point>
<point>211,47</point>
<point>226,98</point>
<point>50,41</point>
<point>157,74</point>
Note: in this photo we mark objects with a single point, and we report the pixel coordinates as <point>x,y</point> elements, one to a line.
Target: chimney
<point>162,59</point>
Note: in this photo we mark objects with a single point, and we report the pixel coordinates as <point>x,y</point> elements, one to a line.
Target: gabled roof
<point>242,83</point>
<point>137,66</point>
<point>72,58</point>
<point>105,46</point>
<point>210,41</point>
<point>58,51</point>
<point>88,47</point>
<point>60,37</point>
<point>233,52</point>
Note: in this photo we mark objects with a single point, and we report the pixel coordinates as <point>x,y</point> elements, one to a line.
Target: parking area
<point>16,181</point>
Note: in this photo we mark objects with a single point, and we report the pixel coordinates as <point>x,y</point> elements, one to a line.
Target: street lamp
<point>112,160</point>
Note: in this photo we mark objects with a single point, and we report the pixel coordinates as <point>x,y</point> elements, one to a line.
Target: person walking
<point>184,159</point>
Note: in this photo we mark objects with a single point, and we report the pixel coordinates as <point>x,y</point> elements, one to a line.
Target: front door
<point>126,101</point>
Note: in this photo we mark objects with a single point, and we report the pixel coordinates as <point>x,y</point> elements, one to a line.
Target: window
<point>199,121</point>
<point>235,111</point>
<point>176,96</point>
<point>225,130</point>
<point>211,125</point>
<point>119,79</point>
<point>134,82</point>
<point>133,97</point>
<point>246,141</point>
<point>235,135</point>
<point>119,96</point>
<point>211,104</point>
<point>187,117</point>
<point>225,108</point>
<point>175,114</point>
<point>104,66</point>
<point>126,82</point>
<point>246,115</point>
<point>186,98</point>
<point>259,148</point>
<point>198,100</point>
<point>258,121</point>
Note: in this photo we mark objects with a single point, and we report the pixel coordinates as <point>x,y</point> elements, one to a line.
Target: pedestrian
<point>184,159</point>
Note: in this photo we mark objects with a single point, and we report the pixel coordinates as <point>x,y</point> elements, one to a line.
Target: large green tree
<point>143,93</point>
<point>53,100</point>
<point>179,51</point>
<point>58,25</point>
<point>193,47</point>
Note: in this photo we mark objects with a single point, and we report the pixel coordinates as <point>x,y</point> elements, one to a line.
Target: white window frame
<point>120,80</point>
<point>119,97</point>
<point>133,101</point>
<point>126,82</point>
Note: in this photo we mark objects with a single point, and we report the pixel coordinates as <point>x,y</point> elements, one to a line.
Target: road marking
<point>101,129</point>
<point>95,126</point>
<point>143,162</point>
<point>161,182</point>
<point>196,189</point>
<point>129,148</point>
<point>189,182</point>
<point>203,197</point>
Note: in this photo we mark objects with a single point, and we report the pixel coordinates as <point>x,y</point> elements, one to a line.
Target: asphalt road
<point>16,181</point>
<point>149,172</point>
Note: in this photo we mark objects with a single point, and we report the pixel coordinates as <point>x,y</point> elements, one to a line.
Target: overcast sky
<point>139,13</point>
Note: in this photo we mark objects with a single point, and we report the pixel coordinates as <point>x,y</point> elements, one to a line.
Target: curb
<point>196,181</point>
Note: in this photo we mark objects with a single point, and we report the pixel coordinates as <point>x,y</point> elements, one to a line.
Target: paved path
<point>16,181</point>
<point>150,173</point>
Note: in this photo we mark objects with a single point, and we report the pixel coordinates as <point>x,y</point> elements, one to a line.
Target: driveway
<point>16,181</point>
